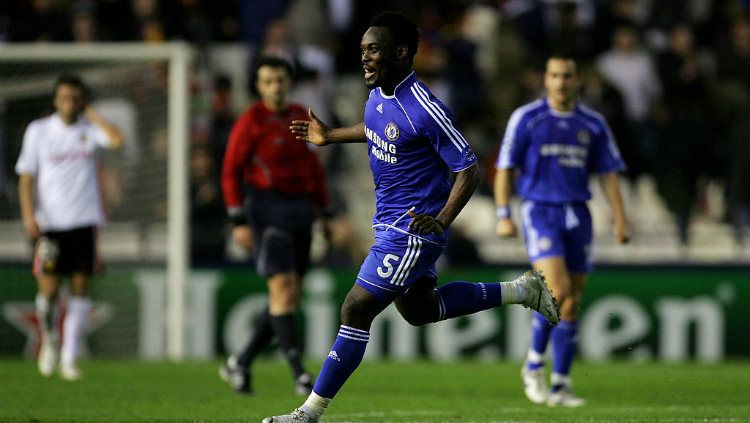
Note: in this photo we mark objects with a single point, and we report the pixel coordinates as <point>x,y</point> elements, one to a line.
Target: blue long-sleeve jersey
<point>413,146</point>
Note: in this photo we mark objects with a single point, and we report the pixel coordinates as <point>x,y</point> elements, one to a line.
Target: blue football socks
<point>564,339</point>
<point>462,298</point>
<point>540,334</point>
<point>346,354</point>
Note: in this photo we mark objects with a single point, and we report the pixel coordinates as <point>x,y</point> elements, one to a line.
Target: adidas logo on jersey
<point>380,108</point>
<point>334,356</point>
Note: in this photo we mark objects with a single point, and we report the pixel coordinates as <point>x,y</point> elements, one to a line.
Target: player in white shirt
<point>61,206</point>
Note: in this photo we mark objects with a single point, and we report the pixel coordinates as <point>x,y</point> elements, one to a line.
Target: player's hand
<point>506,228</point>
<point>243,235</point>
<point>622,232</point>
<point>425,224</point>
<point>32,228</point>
<point>91,114</point>
<point>313,131</point>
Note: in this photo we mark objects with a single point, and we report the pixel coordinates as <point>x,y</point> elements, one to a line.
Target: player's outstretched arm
<point>506,227</point>
<point>610,183</point>
<point>316,132</point>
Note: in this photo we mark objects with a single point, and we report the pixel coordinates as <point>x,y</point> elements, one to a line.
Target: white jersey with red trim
<point>63,159</point>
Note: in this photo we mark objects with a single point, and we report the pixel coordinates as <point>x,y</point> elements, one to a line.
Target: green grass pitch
<point>117,391</point>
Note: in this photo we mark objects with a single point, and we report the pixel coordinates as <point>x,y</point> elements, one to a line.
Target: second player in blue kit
<point>552,145</point>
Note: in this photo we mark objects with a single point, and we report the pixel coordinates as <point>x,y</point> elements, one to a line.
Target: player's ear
<point>402,52</point>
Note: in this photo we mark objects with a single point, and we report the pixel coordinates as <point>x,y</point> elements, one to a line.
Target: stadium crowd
<point>671,77</point>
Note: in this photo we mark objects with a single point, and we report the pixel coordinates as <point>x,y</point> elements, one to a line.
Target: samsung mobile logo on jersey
<point>569,155</point>
<point>383,150</point>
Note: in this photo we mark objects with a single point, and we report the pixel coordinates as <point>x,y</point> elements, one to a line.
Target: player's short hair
<point>403,29</point>
<point>73,81</point>
<point>562,56</point>
<point>272,62</point>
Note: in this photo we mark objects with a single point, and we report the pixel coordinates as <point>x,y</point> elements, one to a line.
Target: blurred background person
<point>61,207</point>
<point>632,70</point>
<point>683,120</point>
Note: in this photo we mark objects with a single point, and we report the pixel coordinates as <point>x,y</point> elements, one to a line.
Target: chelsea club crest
<point>391,131</point>
<point>583,137</point>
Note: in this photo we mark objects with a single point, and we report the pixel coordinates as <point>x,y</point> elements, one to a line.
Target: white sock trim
<point>534,357</point>
<point>512,292</point>
<point>316,404</point>
<point>560,379</point>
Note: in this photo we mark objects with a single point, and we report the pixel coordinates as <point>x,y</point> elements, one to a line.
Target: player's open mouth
<point>369,72</point>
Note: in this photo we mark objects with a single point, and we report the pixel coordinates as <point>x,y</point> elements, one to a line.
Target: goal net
<point>142,90</point>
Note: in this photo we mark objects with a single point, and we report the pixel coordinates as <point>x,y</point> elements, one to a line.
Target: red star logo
<point>22,316</point>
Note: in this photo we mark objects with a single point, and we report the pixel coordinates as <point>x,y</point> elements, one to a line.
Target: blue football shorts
<point>558,230</point>
<point>395,262</point>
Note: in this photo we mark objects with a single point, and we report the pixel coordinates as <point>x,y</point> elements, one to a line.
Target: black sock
<point>285,328</point>
<point>261,338</point>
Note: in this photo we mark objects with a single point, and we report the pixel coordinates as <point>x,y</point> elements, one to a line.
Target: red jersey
<point>264,153</point>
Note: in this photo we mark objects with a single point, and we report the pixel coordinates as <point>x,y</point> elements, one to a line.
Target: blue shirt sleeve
<point>438,127</point>
<point>606,156</point>
<point>513,148</point>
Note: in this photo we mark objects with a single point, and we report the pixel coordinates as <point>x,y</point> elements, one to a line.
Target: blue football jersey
<point>413,146</point>
<point>555,151</point>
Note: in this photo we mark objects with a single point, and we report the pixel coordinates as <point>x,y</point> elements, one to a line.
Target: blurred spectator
<point>528,19</point>
<point>468,98</point>
<point>256,15</point>
<point>631,70</point>
<point>733,107</point>
<point>607,100</point>
<point>4,206</point>
<point>84,25</point>
<point>734,62</point>
<point>738,184</point>
<point>147,23</point>
<point>207,209</point>
<point>222,116</point>
<point>683,152</point>
<point>38,20</point>
<point>567,33</point>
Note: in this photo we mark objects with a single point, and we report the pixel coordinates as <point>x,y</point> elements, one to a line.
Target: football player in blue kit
<point>424,172</point>
<point>553,143</point>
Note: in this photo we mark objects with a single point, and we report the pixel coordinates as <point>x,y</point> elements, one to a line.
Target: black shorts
<point>66,252</point>
<point>282,228</point>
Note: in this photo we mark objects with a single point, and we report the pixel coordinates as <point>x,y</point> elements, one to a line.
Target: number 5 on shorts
<point>388,271</point>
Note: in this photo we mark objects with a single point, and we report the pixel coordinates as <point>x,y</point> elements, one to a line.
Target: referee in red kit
<point>274,188</point>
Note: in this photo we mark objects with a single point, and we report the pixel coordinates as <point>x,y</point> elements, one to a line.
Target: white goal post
<point>178,57</point>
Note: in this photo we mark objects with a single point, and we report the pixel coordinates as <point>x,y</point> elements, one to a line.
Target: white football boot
<point>296,416</point>
<point>70,372</point>
<point>564,397</point>
<point>534,384</point>
<point>538,296</point>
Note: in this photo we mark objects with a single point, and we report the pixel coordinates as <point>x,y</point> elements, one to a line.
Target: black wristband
<point>238,219</point>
